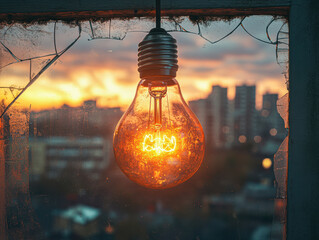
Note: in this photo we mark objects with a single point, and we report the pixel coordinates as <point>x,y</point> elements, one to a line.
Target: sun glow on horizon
<point>89,71</point>
<point>43,95</point>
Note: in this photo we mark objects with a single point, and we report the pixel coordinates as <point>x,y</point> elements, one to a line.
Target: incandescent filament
<point>159,144</point>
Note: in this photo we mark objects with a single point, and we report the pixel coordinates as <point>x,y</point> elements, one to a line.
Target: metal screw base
<point>157,55</point>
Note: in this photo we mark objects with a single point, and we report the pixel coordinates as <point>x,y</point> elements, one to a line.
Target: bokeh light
<point>266,163</point>
<point>273,132</point>
<point>242,139</point>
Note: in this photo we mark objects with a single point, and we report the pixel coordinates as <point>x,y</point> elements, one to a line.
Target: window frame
<point>303,178</point>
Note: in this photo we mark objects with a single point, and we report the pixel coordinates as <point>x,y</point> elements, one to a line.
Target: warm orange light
<point>266,163</point>
<point>159,142</point>
<point>242,139</point>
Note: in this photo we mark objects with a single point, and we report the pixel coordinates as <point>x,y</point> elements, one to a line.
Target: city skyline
<point>106,70</point>
<point>258,106</point>
<point>226,122</point>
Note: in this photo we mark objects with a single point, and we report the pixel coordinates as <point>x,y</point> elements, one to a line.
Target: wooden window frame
<point>303,168</point>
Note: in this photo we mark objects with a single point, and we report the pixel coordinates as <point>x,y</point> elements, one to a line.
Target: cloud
<point>107,69</point>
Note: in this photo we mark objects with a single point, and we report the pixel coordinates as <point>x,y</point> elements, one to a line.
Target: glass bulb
<point>159,142</point>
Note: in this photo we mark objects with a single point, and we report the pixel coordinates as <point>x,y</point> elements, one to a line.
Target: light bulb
<point>159,142</point>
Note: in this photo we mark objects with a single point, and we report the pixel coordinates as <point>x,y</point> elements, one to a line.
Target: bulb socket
<point>157,55</point>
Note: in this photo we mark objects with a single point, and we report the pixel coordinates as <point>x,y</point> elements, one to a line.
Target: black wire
<point>54,38</point>
<point>268,42</point>
<point>158,13</point>
<point>201,35</point>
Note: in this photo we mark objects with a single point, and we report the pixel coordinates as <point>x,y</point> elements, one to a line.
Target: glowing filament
<point>159,144</point>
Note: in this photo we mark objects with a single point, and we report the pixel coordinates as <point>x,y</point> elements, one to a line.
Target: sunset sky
<point>106,70</point>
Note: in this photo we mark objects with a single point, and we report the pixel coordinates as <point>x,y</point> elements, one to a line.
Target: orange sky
<point>106,70</point>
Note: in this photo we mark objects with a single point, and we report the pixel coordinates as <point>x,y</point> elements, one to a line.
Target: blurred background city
<point>78,192</point>
<point>76,189</point>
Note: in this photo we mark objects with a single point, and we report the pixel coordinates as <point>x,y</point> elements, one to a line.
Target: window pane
<point>61,178</point>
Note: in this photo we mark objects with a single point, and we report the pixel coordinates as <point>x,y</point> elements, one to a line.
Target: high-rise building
<point>199,107</point>
<point>53,156</point>
<point>245,113</point>
<point>227,122</point>
<point>230,130</point>
<point>272,123</point>
<point>219,118</point>
<point>77,137</point>
<point>216,116</point>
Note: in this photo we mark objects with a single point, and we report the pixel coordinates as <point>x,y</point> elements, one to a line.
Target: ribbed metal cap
<point>157,55</point>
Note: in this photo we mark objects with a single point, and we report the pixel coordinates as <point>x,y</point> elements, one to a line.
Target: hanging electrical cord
<point>281,38</point>
<point>158,13</point>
